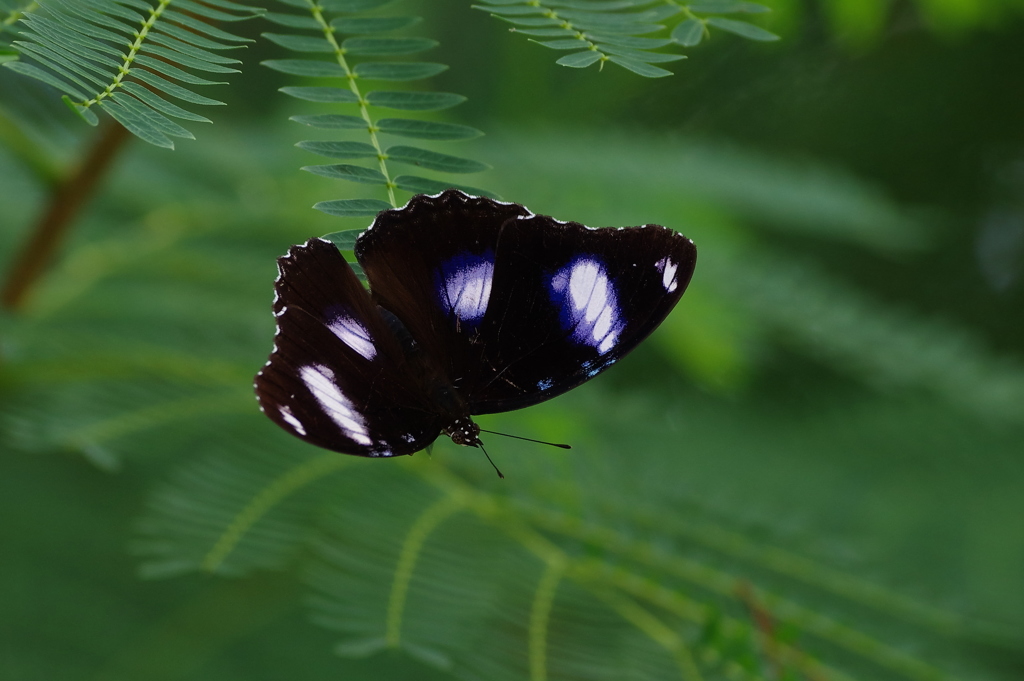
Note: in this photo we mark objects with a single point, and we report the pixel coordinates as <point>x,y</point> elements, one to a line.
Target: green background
<point>842,381</point>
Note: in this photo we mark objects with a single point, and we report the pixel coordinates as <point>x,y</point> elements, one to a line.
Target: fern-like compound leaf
<point>626,32</point>
<point>122,56</point>
<point>333,41</point>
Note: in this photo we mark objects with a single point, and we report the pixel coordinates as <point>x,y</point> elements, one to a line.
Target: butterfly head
<point>464,432</point>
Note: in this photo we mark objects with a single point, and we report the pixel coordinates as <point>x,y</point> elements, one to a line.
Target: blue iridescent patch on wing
<point>587,304</point>
<point>464,286</point>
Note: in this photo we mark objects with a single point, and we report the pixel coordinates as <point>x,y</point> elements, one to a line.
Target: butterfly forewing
<point>338,376</point>
<point>520,308</point>
<point>574,300</point>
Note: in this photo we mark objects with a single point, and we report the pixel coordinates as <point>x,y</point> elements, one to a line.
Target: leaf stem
<point>66,201</point>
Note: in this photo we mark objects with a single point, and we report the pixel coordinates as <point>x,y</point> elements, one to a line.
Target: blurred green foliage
<point>812,471</point>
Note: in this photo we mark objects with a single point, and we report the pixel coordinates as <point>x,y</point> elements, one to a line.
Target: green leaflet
<point>512,10</point>
<point>689,33</point>
<point>378,47</point>
<point>346,240</point>
<point>306,67</point>
<point>742,28</point>
<point>352,6</point>
<point>414,101</point>
<point>300,43</point>
<point>579,60</point>
<point>344,171</point>
<point>434,160</point>
<point>332,121</point>
<point>630,41</point>
<point>292,20</point>
<point>350,208</point>
<point>339,149</point>
<point>568,44</point>
<point>727,7</point>
<point>641,56</point>
<point>546,32</point>
<point>639,67</point>
<point>364,25</point>
<point>44,76</point>
<point>398,71</point>
<point>422,185</point>
<point>321,94</point>
<point>427,130</point>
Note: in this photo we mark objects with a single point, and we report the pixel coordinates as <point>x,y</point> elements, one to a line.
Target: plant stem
<point>66,201</point>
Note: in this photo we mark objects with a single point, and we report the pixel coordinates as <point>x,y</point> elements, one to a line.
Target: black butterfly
<point>475,307</point>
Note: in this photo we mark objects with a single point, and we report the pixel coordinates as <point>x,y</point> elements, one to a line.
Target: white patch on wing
<point>590,307</point>
<point>668,273</point>
<point>289,417</point>
<point>467,287</point>
<point>320,381</point>
<point>354,335</point>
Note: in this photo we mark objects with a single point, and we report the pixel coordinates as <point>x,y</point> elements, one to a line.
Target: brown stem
<point>66,201</point>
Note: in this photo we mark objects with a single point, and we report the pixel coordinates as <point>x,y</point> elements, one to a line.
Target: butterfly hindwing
<point>338,376</point>
<point>520,308</point>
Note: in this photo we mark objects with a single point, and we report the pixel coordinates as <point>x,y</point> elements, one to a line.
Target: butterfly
<point>474,306</point>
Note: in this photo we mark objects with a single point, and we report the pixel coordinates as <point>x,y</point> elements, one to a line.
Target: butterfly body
<point>475,307</point>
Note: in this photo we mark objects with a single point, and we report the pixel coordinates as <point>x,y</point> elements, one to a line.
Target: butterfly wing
<point>520,307</point>
<point>432,263</point>
<point>338,376</point>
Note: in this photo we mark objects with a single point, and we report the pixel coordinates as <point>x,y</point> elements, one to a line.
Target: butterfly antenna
<point>540,442</point>
<point>489,459</point>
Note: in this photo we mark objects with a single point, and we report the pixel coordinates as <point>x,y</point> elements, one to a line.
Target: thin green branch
<point>540,613</point>
<point>780,561</point>
<point>674,601</point>
<point>727,585</point>
<point>557,563</point>
<point>656,630</point>
<point>409,554</point>
<point>697,573</point>
<point>281,487</point>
